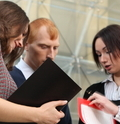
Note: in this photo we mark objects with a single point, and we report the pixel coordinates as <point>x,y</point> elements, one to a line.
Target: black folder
<point>48,83</point>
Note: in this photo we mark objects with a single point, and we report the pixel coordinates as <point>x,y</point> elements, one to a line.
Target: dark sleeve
<point>17,76</point>
<point>86,95</point>
<point>90,90</point>
<point>67,118</point>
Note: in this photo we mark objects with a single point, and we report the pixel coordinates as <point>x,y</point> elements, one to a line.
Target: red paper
<point>91,114</point>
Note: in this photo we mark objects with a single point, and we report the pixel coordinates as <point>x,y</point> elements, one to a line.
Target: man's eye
<point>55,48</point>
<point>43,47</point>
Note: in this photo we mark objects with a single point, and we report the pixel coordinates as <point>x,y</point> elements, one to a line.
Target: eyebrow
<point>102,49</point>
<point>48,45</point>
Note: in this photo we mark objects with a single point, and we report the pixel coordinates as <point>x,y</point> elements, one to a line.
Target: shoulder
<point>17,76</point>
<point>15,70</point>
<point>99,87</point>
<point>96,85</point>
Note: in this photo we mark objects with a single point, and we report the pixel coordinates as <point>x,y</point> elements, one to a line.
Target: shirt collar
<point>25,68</point>
<point>108,80</point>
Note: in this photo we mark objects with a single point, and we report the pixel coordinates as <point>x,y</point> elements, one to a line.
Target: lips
<point>108,67</point>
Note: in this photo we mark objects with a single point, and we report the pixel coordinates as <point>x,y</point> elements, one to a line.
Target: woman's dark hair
<point>110,35</point>
<point>13,22</point>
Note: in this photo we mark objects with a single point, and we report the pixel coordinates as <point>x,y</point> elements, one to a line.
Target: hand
<point>103,103</point>
<point>50,115</point>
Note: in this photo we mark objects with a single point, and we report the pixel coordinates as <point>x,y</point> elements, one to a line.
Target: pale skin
<point>11,112</point>
<point>112,67</point>
<point>103,103</point>
<point>41,49</point>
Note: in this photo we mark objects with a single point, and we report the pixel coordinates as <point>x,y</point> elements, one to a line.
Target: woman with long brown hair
<point>14,30</point>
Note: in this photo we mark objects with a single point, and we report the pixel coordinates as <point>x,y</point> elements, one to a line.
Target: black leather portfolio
<point>48,83</point>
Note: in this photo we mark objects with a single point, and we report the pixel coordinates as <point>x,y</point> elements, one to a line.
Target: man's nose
<point>51,54</point>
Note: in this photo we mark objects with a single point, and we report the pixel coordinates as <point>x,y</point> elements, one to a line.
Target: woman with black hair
<point>106,53</point>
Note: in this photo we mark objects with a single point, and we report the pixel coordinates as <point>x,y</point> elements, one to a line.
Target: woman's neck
<point>116,79</point>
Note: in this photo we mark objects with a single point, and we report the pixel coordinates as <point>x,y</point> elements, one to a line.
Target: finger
<point>92,102</point>
<point>92,97</point>
<point>62,114</point>
<point>95,101</point>
<point>99,106</point>
<point>58,120</point>
<point>59,103</point>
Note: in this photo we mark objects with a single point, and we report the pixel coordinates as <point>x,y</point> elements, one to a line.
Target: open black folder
<point>47,83</point>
